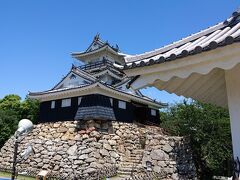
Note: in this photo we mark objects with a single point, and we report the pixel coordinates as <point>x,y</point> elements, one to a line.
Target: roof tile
<point>222,34</point>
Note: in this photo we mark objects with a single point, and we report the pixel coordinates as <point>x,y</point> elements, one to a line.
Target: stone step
<point>128,168</point>
<point>132,160</point>
<point>123,172</point>
<point>127,163</point>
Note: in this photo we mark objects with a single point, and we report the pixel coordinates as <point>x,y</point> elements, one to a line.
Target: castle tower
<point>97,90</point>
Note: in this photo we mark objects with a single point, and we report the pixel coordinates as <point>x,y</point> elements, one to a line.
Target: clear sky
<point>37,37</point>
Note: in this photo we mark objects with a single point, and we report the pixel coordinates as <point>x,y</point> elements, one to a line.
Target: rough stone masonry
<point>75,149</point>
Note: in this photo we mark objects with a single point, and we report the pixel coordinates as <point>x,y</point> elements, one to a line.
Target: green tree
<point>11,102</point>
<point>8,125</point>
<point>12,109</point>
<point>30,109</point>
<point>208,128</point>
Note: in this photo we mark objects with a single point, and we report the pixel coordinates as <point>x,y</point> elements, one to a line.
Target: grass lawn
<point>20,177</point>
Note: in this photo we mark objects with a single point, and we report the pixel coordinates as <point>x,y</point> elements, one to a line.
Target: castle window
<point>66,102</point>
<point>79,100</point>
<point>111,101</point>
<point>52,104</point>
<point>122,104</point>
<point>153,112</point>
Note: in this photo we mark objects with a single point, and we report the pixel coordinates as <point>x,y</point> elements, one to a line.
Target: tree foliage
<point>12,109</point>
<point>30,109</point>
<point>11,102</point>
<point>208,128</point>
<point>8,124</point>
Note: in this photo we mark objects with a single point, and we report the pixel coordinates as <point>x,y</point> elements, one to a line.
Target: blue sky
<point>37,37</point>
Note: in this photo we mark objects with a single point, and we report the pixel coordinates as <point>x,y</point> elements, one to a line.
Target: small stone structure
<point>74,149</point>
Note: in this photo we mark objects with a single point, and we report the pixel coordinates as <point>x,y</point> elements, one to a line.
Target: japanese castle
<point>97,90</point>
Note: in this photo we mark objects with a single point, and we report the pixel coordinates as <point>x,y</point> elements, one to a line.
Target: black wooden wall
<point>130,114</point>
<point>58,113</point>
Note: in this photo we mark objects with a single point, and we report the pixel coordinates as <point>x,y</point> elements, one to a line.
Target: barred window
<point>52,104</point>
<point>79,100</point>
<point>66,102</point>
<point>153,112</point>
<point>111,101</point>
<point>122,104</point>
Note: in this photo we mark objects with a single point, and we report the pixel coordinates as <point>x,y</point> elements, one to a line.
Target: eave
<point>79,55</point>
<point>200,77</point>
<point>97,88</point>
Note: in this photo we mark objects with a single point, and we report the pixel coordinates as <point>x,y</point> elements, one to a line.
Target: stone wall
<point>72,149</point>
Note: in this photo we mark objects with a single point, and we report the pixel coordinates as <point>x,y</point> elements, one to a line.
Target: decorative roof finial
<point>97,37</point>
<point>117,47</point>
<point>73,66</point>
<point>234,18</point>
<point>236,12</point>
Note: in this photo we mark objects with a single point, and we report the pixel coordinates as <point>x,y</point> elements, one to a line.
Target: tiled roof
<point>222,34</point>
<point>104,47</point>
<point>96,40</point>
<point>95,112</point>
<point>101,45</point>
<point>110,72</point>
<point>86,75</point>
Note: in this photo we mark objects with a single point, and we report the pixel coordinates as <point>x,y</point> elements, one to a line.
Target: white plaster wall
<point>233,93</point>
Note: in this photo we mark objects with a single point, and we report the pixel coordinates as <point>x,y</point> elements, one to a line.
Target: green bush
<point>208,128</point>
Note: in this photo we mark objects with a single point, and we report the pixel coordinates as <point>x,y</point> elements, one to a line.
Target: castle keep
<point>97,90</point>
